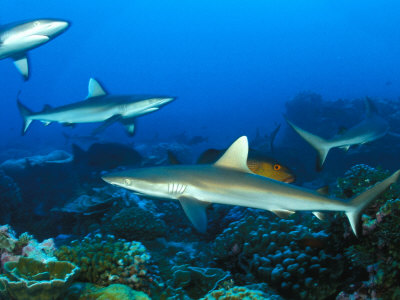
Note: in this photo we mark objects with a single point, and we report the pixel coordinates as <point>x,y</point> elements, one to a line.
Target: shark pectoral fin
<point>95,89</point>
<point>236,156</point>
<point>283,213</point>
<point>130,128</point>
<point>21,63</point>
<point>68,124</point>
<point>345,148</point>
<point>106,124</point>
<point>319,215</point>
<point>195,210</point>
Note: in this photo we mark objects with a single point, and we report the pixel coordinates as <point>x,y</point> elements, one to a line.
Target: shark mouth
<point>289,179</point>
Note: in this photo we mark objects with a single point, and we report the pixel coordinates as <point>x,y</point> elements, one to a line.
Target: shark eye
<point>36,23</point>
<point>127,181</point>
<point>277,167</point>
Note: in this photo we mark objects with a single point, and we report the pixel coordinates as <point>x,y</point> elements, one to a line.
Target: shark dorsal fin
<point>370,108</point>
<point>236,156</point>
<point>46,107</point>
<point>95,89</point>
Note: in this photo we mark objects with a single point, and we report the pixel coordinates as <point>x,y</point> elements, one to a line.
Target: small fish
<point>258,163</point>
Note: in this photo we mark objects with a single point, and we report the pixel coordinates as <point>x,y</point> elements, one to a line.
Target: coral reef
<point>86,205</point>
<point>240,292</point>
<point>88,291</point>
<point>196,281</point>
<point>31,279</point>
<point>374,256</point>
<point>20,165</point>
<point>107,260</point>
<point>12,248</point>
<point>276,251</point>
<point>135,223</point>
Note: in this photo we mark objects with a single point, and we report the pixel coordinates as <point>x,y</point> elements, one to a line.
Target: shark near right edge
<point>229,181</point>
<point>371,128</point>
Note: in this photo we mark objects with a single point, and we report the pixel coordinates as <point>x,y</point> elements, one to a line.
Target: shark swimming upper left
<point>16,39</point>
<point>99,106</point>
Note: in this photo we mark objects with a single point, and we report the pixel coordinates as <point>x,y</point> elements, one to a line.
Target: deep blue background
<point>233,64</point>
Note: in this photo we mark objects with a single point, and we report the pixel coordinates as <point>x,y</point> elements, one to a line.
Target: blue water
<point>234,67</point>
<point>232,64</point>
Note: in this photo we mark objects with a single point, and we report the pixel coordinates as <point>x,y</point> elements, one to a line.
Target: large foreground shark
<point>371,128</point>
<point>17,39</point>
<point>229,181</point>
<point>98,107</point>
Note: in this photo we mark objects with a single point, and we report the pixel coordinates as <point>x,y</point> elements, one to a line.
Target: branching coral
<point>270,250</point>
<point>106,260</point>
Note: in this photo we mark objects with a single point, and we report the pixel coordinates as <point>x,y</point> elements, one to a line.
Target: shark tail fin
<point>322,146</point>
<point>25,114</point>
<point>358,203</point>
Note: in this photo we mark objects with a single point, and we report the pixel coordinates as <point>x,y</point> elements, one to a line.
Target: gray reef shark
<point>371,128</point>
<point>17,39</point>
<point>229,181</point>
<point>97,107</point>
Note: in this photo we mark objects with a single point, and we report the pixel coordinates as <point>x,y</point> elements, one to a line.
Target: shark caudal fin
<point>361,201</point>
<point>321,145</point>
<point>25,114</point>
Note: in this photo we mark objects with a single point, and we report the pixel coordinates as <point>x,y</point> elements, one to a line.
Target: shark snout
<point>163,101</point>
<point>55,27</point>
<point>110,179</point>
<point>60,26</point>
